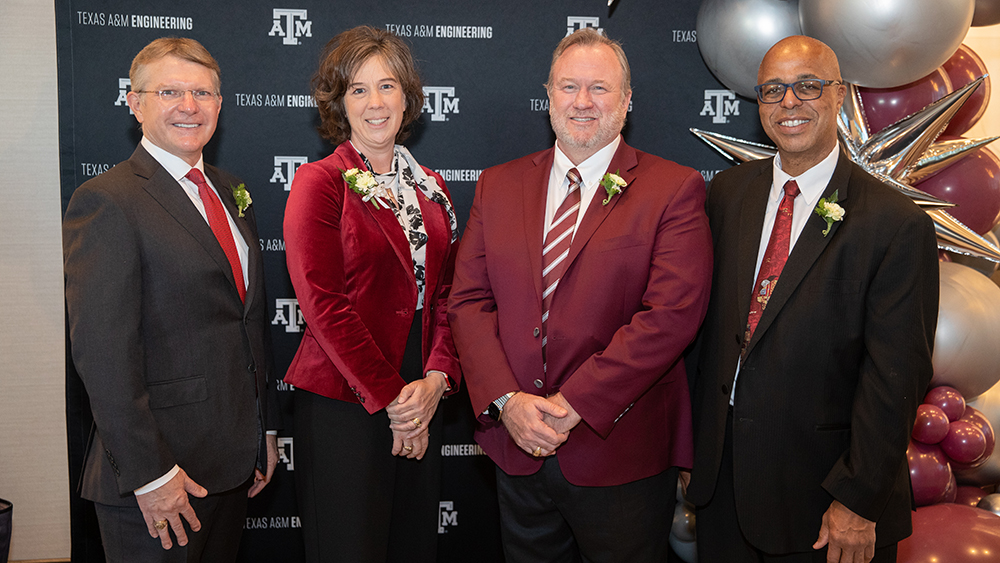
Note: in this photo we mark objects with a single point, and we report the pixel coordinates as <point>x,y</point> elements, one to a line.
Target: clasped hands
<point>539,425</point>
<point>411,412</point>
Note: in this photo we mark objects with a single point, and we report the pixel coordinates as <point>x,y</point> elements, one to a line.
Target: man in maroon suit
<point>582,277</point>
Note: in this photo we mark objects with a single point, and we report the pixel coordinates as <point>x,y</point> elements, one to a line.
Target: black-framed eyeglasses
<point>200,96</point>
<point>805,90</point>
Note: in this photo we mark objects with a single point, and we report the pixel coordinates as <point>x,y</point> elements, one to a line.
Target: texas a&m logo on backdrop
<point>290,25</point>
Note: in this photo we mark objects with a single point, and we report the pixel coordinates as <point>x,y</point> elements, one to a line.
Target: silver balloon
<point>991,503</point>
<point>981,265</point>
<point>966,355</point>
<point>988,473</point>
<point>987,13</point>
<point>888,43</point>
<point>686,550</point>
<point>733,36</point>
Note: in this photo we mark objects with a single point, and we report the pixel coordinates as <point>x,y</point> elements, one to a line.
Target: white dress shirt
<point>591,171</point>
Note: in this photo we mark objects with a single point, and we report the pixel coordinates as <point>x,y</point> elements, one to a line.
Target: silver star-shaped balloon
<point>899,155</point>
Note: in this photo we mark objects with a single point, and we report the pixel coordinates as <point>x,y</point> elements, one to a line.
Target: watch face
<point>494,411</point>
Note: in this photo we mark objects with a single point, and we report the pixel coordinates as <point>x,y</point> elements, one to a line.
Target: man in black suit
<point>808,379</point>
<point>168,327</point>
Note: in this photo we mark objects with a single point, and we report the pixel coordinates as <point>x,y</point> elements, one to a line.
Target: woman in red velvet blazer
<point>370,239</point>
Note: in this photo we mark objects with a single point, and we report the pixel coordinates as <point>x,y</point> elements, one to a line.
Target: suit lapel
<point>534,188</point>
<point>383,216</point>
<point>253,258</point>
<point>171,196</point>
<point>624,161</point>
<point>808,247</point>
<point>751,225</point>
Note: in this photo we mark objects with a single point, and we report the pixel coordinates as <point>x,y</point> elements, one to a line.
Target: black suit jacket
<point>839,362</point>
<point>176,366</point>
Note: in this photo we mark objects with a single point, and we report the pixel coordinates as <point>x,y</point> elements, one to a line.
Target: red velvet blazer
<point>634,292</point>
<point>353,276</point>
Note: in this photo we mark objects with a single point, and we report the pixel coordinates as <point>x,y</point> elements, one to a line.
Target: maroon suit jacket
<point>632,297</point>
<point>353,275</point>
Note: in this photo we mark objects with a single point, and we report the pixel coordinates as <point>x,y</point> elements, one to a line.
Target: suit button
<point>538,383</point>
<point>536,332</point>
<point>725,388</point>
<point>252,368</point>
<point>362,399</point>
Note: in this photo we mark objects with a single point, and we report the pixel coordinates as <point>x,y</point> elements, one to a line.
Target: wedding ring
<point>537,452</point>
<point>160,524</point>
<point>408,448</point>
<point>417,421</point>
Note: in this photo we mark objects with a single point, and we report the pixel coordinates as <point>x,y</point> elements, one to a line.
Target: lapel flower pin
<point>613,184</point>
<point>364,184</point>
<point>830,211</point>
<point>242,197</point>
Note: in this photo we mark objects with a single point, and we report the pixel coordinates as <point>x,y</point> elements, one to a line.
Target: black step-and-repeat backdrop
<point>483,65</point>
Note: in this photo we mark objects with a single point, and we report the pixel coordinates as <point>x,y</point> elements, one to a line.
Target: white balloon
<point>989,473</point>
<point>888,43</point>
<point>733,36</point>
<point>966,354</point>
<point>686,550</point>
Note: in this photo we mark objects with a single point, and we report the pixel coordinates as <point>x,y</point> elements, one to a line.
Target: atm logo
<point>440,100</point>
<point>290,25</point>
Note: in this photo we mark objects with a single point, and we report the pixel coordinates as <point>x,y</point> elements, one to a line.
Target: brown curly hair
<point>341,59</point>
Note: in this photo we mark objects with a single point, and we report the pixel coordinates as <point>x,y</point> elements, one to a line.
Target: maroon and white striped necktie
<point>556,247</point>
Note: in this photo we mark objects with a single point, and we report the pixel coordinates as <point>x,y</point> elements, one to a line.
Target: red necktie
<point>556,246</point>
<point>219,222</point>
<point>774,260</point>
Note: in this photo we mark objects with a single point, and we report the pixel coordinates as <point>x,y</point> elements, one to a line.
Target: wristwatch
<point>495,410</point>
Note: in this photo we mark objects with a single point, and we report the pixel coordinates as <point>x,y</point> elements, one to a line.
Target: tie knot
<point>791,189</point>
<point>574,178</point>
<point>196,176</point>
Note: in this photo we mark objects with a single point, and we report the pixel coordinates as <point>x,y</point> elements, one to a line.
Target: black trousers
<point>359,503</point>
<point>718,528</point>
<point>547,519</point>
<point>222,515</point>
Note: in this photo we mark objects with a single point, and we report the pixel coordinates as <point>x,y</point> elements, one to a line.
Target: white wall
<point>33,473</point>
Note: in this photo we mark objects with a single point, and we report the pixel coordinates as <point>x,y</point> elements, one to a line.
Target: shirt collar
<point>591,170</point>
<point>174,165</point>
<point>812,182</point>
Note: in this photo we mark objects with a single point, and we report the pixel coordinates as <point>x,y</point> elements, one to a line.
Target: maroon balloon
<point>929,473</point>
<point>963,67</point>
<point>951,491</point>
<point>885,106</point>
<point>969,495</point>
<point>931,425</point>
<point>951,533</point>
<point>964,443</point>
<point>947,399</point>
<point>973,185</point>
<point>978,420</point>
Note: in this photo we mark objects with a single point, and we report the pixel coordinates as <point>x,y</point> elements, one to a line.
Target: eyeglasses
<point>200,96</point>
<point>805,90</point>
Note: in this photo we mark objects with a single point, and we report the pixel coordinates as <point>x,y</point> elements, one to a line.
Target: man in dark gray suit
<point>168,327</point>
<point>809,377</point>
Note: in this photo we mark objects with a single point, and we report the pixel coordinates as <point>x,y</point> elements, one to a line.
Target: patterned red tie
<point>219,222</point>
<point>774,260</point>
<point>556,247</point>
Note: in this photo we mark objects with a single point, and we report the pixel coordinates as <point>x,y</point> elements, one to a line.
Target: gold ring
<point>408,448</point>
<point>537,452</point>
<point>160,524</point>
<point>417,421</point>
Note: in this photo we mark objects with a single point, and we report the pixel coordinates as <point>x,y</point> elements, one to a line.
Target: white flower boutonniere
<point>242,197</point>
<point>613,184</point>
<point>830,211</point>
<point>363,183</point>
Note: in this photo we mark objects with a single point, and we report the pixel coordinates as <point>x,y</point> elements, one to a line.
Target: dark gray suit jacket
<point>177,368</point>
<point>828,391</point>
